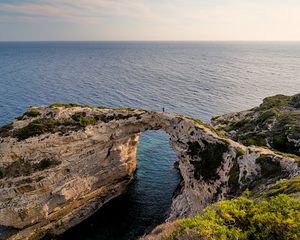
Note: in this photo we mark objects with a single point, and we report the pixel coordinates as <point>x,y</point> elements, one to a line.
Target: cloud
<point>157,19</point>
<point>76,10</point>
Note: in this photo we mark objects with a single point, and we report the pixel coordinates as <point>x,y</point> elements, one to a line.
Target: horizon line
<point>294,41</point>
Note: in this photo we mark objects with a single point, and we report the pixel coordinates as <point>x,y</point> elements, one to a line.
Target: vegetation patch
<point>295,102</point>
<point>279,142</point>
<point>275,101</point>
<point>234,174</point>
<point>66,105</point>
<point>5,130</point>
<point>71,105</point>
<point>207,159</point>
<point>81,119</point>
<point>208,126</point>
<point>244,218</point>
<point>288,186</point>
<point>251,138</point>
<point>124,109</point>
<point>240,152</point>
<point>31,113</point>
<point>76,122</point>
<point>288,155</point>
<point>271,124</point>
<point>40,126</point>
<point>26,168</point>
<point>269,167</point>
<point>267,116</point>
<point>211,128</point>
<point>107,118</point>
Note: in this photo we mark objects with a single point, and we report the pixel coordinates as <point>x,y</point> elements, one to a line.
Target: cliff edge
<point>60,163</point>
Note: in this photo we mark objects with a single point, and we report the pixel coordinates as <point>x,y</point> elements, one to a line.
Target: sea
<point>199,79</point>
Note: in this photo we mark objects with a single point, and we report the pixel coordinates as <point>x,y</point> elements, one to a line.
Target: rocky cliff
<point>59,164</point>
<point>269,208</point>
<point>274,124</point>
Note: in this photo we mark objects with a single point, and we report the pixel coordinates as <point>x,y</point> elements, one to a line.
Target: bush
<point>34,128</point>
<point>275,101</point>
<point>290,186</point>
<point>257,139</point>
<point>82,120</point>
<point>25,168</point>
<point>296,101</point>
<point>279,142</point>
<point>266,115</point>
<point>5,130</point>
<point>40,126</point>
<point>45,163</point>
<point>65,105</point>
<point>245,218</point>
<point>32,113</point>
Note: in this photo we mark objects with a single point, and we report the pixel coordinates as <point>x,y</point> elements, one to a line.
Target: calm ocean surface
<point>199,79</point>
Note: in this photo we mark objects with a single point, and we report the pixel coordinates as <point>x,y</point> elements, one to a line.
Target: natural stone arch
<point>91,157</point>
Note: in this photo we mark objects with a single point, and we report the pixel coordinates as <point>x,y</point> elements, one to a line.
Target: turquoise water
<point>199,79</point>
<point>147,201</point>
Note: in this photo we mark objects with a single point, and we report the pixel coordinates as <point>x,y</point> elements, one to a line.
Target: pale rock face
<point>95,163</point>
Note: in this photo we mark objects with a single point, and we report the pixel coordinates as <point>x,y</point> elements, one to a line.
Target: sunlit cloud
<point>158,19</point>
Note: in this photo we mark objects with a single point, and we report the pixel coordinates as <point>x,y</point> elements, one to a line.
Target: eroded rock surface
<point>60,164</point>
<point>274,124</point>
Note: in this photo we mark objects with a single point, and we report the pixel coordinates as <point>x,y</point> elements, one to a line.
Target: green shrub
<point>266,115</point>
<point>45,163</point>
<point>76,122</point>
<point>254,139</point>
<point>234,174</point>
<point>32,113</point>
<point>288,155</point>
<point>5,130</point>
<point>40,126</point>
<point>226,128</point>
<point>275,101</point>
<point>124,109</point>
<point>290,186</point>
<point>34,128</point>
<point>240,152</point>
<point>297,104</point>
<point>296,101</point>
<point>82,120</point>
<point>199,122</point>
<point>244,218</point>
<point>279,142</point>
<point>25,168</point>
<point>65,105</point>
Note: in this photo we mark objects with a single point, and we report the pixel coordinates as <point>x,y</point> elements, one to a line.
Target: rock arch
<point>79,158</point>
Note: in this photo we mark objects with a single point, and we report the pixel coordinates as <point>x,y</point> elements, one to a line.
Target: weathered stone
<point>274,124</point>
<point>95,152</point>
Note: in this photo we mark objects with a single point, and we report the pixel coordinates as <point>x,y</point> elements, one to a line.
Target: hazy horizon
<point>183,41</point>
<point>150,20</point>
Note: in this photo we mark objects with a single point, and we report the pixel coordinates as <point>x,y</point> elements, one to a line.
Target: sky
<point>179,20</point>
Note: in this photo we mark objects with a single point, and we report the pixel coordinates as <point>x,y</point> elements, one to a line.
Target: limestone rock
<point>60,164</point>
<point>274,124</point>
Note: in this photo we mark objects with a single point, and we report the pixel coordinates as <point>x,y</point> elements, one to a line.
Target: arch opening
<point>147,200</point>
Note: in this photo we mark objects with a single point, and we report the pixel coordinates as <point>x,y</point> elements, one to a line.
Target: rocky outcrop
<point>60,164</point>
<point>274,124</point>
